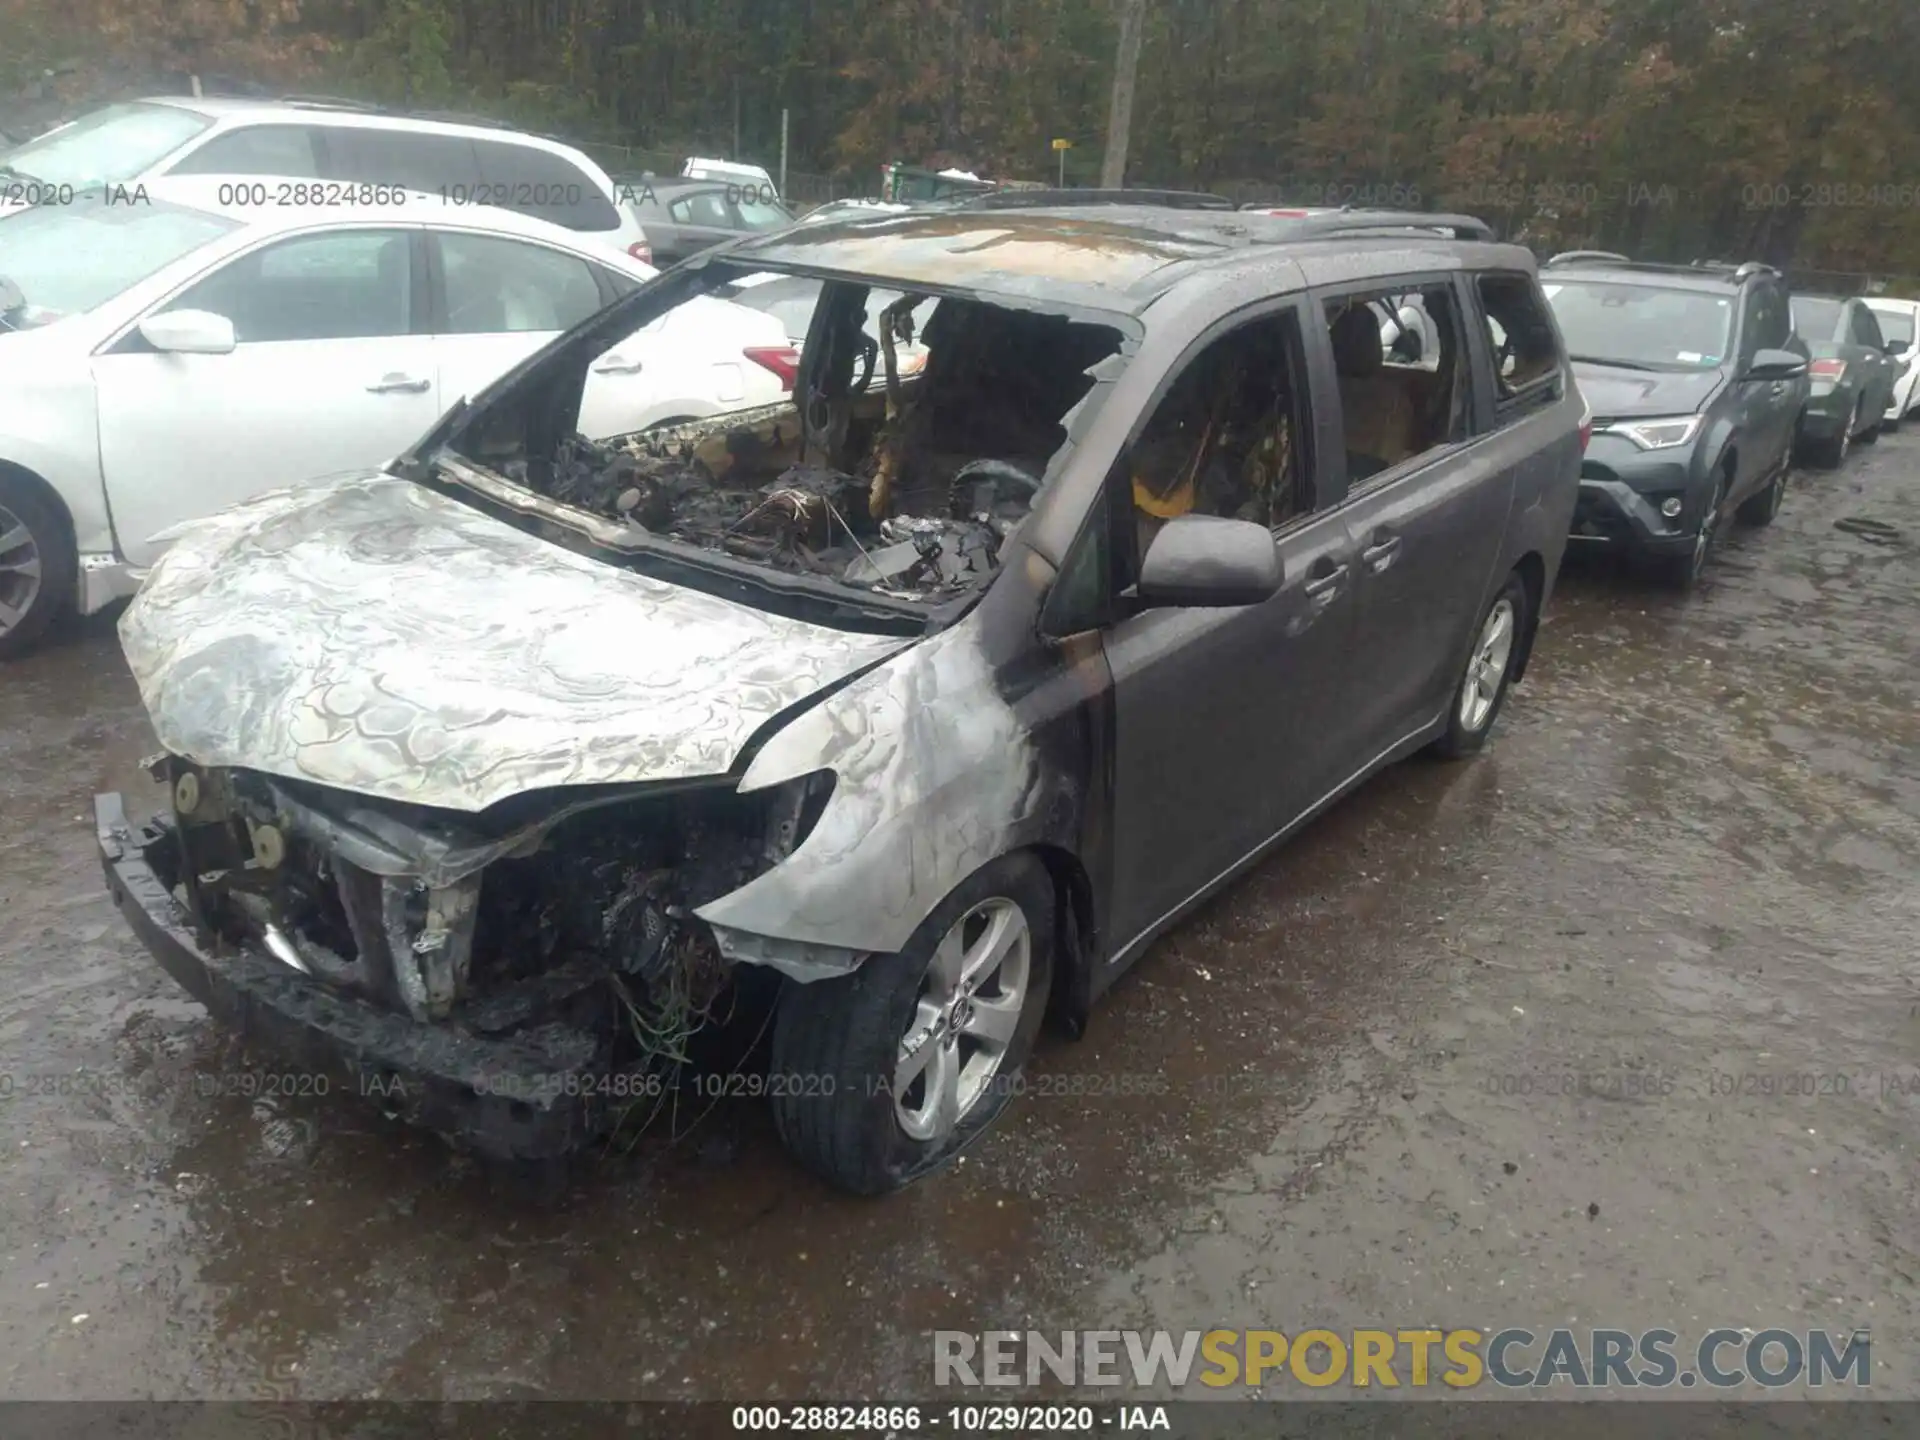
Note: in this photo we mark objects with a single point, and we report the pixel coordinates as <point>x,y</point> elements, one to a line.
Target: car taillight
<point>782,360</point>
<point>641,251</point>
<point>1834,370</point>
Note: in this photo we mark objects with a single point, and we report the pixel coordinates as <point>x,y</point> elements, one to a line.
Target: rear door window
<point>500,286</point>
<point>439,165</point>
<point>704,207</point>
<point>1866,330</point>
<point>291,150</point>
<point>542,184</point>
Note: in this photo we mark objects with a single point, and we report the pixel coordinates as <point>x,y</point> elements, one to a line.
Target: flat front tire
<point>1483,687</point>
<point>887,1074</point>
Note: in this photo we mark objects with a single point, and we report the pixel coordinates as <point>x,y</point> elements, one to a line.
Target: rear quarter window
<point>1520,337</point>
<point>542,184</point>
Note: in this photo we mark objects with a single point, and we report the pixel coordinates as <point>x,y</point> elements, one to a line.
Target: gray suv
<point>924,699</point>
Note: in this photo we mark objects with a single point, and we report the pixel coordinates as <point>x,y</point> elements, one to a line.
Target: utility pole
<point>1133,23</point>
<point>783,152</point>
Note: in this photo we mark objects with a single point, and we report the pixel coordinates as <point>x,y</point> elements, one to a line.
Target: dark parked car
<point>1695,380</point>
<point>929,702</point>
<point>1855,369</point>
<point>684,217</point>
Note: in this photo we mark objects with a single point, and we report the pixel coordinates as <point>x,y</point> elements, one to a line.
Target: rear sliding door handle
<point>1380,553</point>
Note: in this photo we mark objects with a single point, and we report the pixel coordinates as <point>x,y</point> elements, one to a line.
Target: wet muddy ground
<point>1687,866</point>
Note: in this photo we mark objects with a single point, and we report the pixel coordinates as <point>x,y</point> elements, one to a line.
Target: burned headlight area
<point>579,918</point>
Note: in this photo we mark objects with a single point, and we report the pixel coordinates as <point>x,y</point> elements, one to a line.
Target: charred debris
<point>560,921</point>
<point>903,486</point>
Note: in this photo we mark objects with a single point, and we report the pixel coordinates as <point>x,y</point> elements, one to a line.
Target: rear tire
<point>1833,454</point>
<point>1482,691</point>
<point>970,987</point>
<point>37,566</point>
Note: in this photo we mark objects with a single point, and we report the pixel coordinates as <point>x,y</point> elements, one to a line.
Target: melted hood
<point>378,637</point>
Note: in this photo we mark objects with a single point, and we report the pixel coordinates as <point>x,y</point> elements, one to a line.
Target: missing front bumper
<point>535,1094</point>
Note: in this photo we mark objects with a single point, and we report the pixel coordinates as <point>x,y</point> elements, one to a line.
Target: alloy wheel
<point>964,1019</point>
<point>20,570</point>
<point>1487,670</point>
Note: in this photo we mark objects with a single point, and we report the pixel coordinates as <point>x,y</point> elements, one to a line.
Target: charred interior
<point>494,925</point>
<point>901,485</point>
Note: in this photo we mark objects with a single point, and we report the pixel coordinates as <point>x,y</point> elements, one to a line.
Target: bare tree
<point>1133,22</point>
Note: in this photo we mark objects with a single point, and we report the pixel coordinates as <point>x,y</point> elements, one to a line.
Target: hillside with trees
<point>1667,127</point>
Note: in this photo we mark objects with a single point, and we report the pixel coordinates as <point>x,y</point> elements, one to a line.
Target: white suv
<point>333,142</point>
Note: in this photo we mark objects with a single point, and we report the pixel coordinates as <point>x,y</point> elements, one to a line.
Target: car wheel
<point>888,1073</point>
<point>1482,690</point>
<point>1761,508</point>
<point>1834,453</point>
<point>36,567</point>
<point>1684,571</point>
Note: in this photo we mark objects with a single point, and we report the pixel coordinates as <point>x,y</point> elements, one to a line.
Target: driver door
<point>327,375</point>
<point>1229,723</point>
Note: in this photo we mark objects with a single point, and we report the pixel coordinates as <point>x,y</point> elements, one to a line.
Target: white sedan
<point>169,354</point>
<point>1900,325</point>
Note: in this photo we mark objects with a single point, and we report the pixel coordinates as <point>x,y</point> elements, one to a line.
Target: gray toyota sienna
<point>927,697</point>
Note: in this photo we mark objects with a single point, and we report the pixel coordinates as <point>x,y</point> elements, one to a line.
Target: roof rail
<point>461,117</point>
<point>1755,267</point>
<point>1033,199</point>
<point>1389,222</point>
<point>329,102</point>
<point>1589,257</point>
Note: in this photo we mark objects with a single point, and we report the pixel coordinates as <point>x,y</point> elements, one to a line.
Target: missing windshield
<point>884,441</point>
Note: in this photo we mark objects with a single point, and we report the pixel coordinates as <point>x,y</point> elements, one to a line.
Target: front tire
<point>887,1074</point>
<point>1761,508</point>
<point>1683,572</point>
<point>36,567</point>
<point>1482,691</point>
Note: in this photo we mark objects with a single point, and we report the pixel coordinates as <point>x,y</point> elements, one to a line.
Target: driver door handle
<point>617,365</point>
<point>1323,587</point>
<point>399,383</point>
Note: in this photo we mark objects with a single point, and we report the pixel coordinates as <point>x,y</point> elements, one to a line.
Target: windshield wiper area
<point>1615,364</point>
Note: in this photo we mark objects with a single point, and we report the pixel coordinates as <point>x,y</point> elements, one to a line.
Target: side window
<point>1768,324</point>
<point>1402,382</point>
<point>1866,330</point>
<point>289,150</point>
<point>1525,352</point>
<point>497,286</point>
<point>402,157</point>
<point>753,213</point>
<point>1224,439</point>
<point>703,207</point>
<point>345,284</point>
<point>542,184</point>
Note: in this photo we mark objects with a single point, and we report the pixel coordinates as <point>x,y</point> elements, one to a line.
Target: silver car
<point>928,698</point>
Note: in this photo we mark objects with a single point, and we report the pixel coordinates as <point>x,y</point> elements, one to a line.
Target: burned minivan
<point>930,696</point>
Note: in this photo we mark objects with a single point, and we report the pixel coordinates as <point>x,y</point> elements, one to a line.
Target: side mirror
<point>1896,347</point>
<point>189,332</point>
<point>1776,365</point>
<point>1202,560</point>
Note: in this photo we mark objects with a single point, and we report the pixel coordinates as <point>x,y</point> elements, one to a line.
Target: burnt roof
<point>1109,257</point>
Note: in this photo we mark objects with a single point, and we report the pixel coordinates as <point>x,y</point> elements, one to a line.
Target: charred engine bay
<point>579,919</point>
<point>912,500</point>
